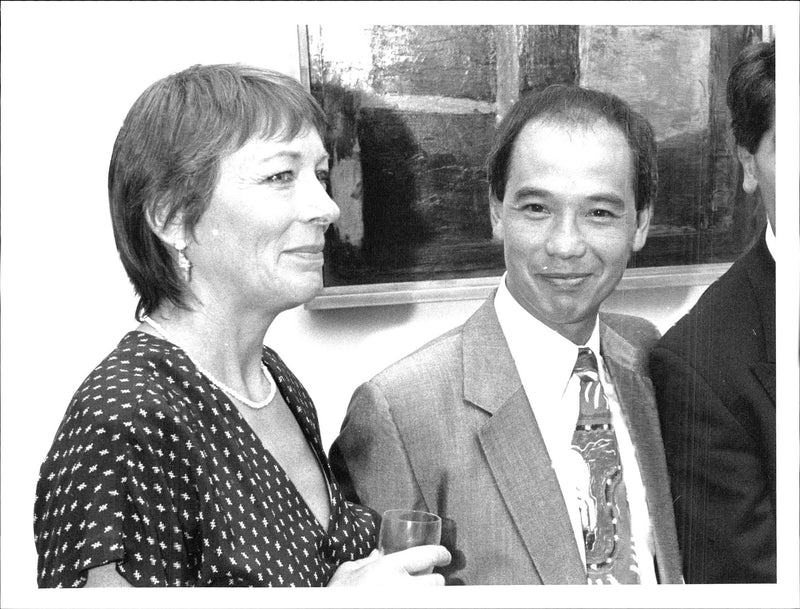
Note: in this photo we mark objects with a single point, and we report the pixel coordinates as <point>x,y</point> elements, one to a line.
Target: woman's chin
<point>304,291</point>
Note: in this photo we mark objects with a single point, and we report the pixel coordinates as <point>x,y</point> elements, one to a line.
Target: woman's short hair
<point>166,158</point>
<point>572,105</point>
<point>751,94</point>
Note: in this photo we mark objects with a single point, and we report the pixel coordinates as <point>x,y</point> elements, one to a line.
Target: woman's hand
<point>407,567</point>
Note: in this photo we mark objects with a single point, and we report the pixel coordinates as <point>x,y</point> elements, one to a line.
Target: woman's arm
<point>106,576</point>
<point>400,568</point>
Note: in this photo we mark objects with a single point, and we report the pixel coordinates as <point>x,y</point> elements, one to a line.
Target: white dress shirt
<point>545,361</point>
<point>771,244</point>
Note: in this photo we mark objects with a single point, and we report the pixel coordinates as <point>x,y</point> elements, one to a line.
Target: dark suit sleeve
<point>723,506</point>
<point>369,459</point>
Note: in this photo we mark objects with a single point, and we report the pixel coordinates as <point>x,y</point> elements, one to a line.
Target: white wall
<point>70,73</point>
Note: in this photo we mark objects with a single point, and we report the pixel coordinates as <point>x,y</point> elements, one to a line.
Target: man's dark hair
<point>571,105</point>
<point>751,94</point>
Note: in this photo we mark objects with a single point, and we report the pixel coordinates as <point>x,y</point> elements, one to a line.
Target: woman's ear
<point>748,161</point>
<point>171,231</point>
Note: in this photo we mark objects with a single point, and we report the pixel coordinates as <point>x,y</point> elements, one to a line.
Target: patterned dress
<point>153,467</point>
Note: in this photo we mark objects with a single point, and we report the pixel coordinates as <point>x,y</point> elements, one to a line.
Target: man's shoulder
<point>442,357</point>
<point>638,332</point>
<point>440,353</point>
<point>627,340</point>
<point>723,293</point>
<point>723,315</point>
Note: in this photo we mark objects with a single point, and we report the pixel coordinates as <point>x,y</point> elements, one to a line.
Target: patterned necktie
<point>610,557</point>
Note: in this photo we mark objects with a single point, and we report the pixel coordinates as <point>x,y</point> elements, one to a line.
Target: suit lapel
<point>766,374</point>
<point>516,453</point>
<point>761,273</point>
<point>637,403</point>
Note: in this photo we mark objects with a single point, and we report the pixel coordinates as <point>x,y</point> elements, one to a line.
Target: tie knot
<point>586,364</point>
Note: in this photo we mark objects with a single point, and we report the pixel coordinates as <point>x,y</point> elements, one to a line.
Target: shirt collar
<point>534,343</point>
<point>771,242</point>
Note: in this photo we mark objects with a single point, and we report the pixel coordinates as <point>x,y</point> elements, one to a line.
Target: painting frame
<point>382,292</point>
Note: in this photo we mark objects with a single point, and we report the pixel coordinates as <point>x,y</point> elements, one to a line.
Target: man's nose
<point>565,238</point>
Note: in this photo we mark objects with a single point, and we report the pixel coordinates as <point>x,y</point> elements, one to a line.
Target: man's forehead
<point>570,153</point>
<point>579,125</point>
<point>552,140</point>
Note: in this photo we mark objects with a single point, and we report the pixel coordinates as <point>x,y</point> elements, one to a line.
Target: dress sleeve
<point>116,487</point>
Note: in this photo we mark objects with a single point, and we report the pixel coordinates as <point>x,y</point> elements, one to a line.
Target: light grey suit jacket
<point>449,429</point>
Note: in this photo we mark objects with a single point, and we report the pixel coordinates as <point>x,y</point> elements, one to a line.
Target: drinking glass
<point>402,529</point>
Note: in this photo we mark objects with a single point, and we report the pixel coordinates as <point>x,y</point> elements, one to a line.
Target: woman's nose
<point>321,208</point>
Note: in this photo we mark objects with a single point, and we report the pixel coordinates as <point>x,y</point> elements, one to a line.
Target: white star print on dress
<point>154,468</point>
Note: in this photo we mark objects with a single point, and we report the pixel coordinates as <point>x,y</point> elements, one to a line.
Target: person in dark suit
<point>479,425</point>
<point>714,374</point>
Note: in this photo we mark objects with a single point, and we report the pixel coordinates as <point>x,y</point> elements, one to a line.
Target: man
<point>481,426</point>
<point>714,374</point>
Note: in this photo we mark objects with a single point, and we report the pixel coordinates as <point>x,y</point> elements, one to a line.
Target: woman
<point>192,455</point>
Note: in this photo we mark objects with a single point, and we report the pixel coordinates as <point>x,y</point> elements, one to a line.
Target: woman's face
<point>259,244</point>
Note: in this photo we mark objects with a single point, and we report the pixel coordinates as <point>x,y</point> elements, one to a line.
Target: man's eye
<point>602,213</point>
<point>535,208</point>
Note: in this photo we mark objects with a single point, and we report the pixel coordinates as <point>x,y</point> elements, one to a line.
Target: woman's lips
<point>309,253</point>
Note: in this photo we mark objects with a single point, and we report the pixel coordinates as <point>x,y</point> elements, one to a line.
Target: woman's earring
<point>184,263</point>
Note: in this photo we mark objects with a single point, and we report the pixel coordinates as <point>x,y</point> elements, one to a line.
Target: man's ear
<point>748,161</point>
<point>642,228</point>
<point>496,215</point>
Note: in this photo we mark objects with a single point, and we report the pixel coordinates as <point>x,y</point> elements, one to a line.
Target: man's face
<point>568,222</point>
<point>759,171</point>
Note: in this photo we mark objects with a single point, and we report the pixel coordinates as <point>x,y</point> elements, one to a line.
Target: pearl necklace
<point>227,390</point>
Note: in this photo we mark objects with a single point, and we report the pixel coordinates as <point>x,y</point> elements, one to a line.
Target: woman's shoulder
<point>142,374</point>
<point>114,452</point>
<point>140,357</point>
<point>134,355</point>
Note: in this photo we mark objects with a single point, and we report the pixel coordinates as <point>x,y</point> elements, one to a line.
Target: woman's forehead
<point>306,143</point>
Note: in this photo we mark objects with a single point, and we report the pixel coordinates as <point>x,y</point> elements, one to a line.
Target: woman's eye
<point>324,177</point>
<point>283,177</point>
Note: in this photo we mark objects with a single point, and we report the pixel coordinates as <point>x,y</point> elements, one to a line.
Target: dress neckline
<point>276,375</point>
